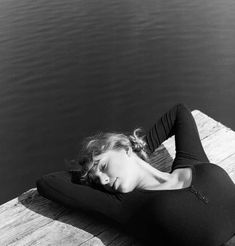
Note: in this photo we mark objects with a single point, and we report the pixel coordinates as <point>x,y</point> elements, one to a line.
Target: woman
<point>194,204</point>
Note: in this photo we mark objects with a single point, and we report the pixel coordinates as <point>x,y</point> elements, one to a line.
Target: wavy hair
<point>99,144</point>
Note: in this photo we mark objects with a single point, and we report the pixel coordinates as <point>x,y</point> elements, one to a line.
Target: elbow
<point>42,187</point>
<point>183,106</point>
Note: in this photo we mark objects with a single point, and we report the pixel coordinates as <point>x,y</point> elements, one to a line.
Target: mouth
<point>113,186</point>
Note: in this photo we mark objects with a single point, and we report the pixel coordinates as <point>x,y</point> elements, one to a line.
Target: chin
<point>125,188</point>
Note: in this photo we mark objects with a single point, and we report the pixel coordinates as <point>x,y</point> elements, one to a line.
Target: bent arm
<point>59,188</point>
<point>178,121</point>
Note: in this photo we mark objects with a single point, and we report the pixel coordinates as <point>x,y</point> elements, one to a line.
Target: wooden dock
<point>31,219</point>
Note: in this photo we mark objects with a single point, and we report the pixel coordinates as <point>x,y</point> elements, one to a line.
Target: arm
<point>178,121</point>
<point>59,188</point>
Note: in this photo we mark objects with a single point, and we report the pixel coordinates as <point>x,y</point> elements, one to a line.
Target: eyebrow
<point>95,165</point>
<point>96,162</point>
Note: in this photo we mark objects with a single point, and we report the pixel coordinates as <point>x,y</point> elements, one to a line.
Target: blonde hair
<point>102,142</point>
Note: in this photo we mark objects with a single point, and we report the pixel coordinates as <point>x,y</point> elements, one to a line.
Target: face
<point>116,170</point>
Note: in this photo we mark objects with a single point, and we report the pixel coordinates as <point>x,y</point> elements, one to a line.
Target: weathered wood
<point>33,220</point>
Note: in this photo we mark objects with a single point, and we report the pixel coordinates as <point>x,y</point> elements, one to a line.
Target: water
<point>71,68</point>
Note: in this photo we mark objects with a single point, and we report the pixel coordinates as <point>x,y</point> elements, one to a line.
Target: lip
<point>113,186</point>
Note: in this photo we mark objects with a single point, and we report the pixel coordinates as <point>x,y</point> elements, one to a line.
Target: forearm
<point>59,188</point>
<point>162,129</point>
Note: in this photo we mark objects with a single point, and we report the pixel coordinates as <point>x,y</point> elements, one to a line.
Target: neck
<point>150,177</point>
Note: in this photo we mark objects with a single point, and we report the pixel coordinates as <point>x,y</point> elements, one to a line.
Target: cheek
<point>118,169</point>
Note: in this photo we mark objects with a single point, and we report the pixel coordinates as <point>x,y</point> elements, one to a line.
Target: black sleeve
<point>59,188</point>
<point>178,121</point>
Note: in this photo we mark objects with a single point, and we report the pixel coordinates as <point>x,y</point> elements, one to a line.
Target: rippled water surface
<point>71,68</point>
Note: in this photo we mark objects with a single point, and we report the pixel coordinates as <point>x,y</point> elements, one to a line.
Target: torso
<point>201,205</point>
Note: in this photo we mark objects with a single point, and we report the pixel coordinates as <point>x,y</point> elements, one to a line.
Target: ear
<point>129,151</point>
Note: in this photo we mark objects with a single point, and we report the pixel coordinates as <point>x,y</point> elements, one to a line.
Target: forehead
<point>107,155</point>
<point>104,155</point>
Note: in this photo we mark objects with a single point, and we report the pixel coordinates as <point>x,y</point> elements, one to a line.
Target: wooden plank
<point>229,166</point>
<point>34,224</point>
<point>220,145</point>
<point>55,233</point>
<point>161,159</point>
<point>21,222</point>
<point>32,214</point>
<point>207,127</point>
<point>205,124</point>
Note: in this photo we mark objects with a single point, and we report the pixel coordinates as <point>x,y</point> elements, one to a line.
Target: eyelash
<point>103,167</point>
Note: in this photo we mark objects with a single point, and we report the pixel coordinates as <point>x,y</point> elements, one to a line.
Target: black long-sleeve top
<point>201,214</point>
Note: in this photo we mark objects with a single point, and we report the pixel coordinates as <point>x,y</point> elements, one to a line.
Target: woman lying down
<point>193,204</point>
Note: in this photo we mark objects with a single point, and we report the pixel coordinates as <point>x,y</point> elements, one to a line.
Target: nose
<point>104,179</point>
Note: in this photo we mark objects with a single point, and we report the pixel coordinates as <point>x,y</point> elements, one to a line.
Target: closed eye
<point>103,167</point>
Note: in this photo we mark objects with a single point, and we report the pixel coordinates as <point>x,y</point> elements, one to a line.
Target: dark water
<point>71,68</point>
